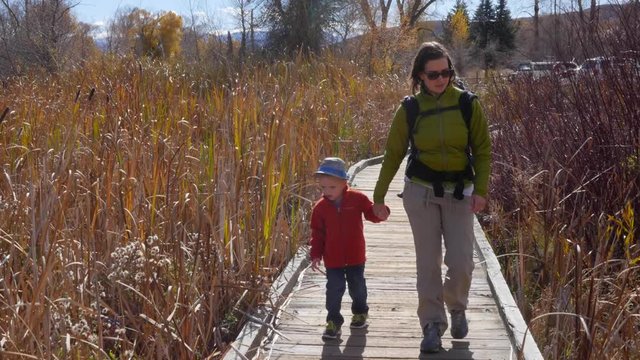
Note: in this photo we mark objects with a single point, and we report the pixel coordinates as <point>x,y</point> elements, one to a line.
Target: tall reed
<point>566,190</point>
<point>145,207</point>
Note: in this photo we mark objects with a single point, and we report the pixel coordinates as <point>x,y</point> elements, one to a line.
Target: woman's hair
<point>428,51</point>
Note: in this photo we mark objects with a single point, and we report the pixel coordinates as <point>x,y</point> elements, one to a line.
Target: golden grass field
<point>146,206</point>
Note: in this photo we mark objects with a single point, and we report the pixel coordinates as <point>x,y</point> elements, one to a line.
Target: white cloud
<point>99,29</point>
<point>230,11</point>
<point>99,35</point>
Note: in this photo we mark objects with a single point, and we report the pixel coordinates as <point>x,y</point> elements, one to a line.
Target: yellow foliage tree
<point>459,28</point>
<point>170,33</point>
<point>456,35</point>
<point>157,35</point>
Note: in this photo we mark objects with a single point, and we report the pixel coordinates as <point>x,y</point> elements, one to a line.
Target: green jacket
<point>441,139</point>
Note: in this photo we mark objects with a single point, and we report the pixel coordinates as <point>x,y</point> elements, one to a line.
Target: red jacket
<point>337,232</point>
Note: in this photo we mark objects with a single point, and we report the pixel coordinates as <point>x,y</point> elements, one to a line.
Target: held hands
<point>478,203</point>
<point>381,211</point>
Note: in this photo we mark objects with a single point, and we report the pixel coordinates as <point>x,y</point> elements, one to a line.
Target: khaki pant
<point>432,219</point>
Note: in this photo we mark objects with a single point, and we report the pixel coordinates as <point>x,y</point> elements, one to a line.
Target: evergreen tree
<point>505,30</point>
<point>482,34</point>
<point>299,24</point>
<point>493,32</point>
<point>482,25</point>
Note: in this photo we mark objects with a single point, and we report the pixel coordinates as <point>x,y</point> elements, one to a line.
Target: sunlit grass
<point>144,207</point>
<point>139,202</point>
<point>565,189</point>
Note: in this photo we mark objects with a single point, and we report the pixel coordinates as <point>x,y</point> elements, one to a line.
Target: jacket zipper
<point>344,245</point>
<point>442,144</point>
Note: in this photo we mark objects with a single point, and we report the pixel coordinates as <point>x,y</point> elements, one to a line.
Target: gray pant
<point>432,219</point>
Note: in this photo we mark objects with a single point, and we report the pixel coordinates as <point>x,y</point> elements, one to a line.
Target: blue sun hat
<point>333,166</point>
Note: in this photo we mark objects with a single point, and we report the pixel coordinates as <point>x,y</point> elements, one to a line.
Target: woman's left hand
<point>478,203</point>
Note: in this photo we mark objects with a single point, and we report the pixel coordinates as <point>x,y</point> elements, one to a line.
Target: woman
<point>445,184</point>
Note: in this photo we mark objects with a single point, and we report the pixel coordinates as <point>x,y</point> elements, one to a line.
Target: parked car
<point>597,64</point>
<point>565,69</point>
<point>532,69</point>
<point>539,69</point>
<point>601,64</point>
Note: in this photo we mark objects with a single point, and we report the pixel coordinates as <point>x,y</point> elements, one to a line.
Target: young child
<point>337,238</point>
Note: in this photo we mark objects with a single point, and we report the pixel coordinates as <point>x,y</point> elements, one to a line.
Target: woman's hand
<point>478,203</point>
<point>381,211</point>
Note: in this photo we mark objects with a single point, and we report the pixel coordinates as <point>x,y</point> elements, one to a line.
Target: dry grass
<point>144,206</point>
<point>139,202</point>
<point>566,190</point>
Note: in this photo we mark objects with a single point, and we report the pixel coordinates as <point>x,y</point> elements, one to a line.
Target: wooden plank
<point>348,351</point>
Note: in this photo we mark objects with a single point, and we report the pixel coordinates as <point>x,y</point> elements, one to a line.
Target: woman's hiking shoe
<point>431,342</point>
<point>358,321</point>
<point>332,331</point>
<point>459,325</point>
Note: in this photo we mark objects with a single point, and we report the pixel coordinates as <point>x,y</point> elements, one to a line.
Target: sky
<point>99,12</point>
<point>219,13</point>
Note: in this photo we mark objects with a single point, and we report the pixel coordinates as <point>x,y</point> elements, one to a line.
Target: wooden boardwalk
<point>394,331</point>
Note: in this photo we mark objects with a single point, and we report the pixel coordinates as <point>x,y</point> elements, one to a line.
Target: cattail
<point>4,114</point>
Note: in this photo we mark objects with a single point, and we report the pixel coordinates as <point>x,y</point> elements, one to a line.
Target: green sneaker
<point>358,321</point>
<point>332,331</point>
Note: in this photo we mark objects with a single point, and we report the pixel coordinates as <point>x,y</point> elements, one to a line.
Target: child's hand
<point>315,264</point>
<point>381,211</point>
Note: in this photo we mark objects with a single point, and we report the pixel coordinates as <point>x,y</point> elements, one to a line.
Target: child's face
<point>331,187</point>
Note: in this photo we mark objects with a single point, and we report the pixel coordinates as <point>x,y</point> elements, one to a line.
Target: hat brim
<point>339,174</point>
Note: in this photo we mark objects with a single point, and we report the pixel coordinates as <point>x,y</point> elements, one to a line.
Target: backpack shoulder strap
<point>412,109</point>
<point>466,108</point>
<point>465,102</point>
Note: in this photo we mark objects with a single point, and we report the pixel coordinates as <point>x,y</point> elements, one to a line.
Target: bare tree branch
<point>10,11</point>
<point>367,13</point>
<point>417,10</point>
<point>384,8</point>
<point>400,5</point>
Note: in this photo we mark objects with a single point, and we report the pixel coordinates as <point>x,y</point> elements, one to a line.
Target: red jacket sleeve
<point>367,209</point>
<point>318,234</point>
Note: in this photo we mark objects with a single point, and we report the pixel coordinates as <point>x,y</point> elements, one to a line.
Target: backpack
<point>412,109</point>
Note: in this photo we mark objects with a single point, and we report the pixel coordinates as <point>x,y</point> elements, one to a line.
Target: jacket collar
<point>423,92</point>
<point>344,194</point>
<point>449,93</point>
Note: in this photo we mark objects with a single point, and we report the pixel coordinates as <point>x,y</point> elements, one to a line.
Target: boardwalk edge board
<point>361,165</point>
<point>261,321</point>
<point>509,310</point>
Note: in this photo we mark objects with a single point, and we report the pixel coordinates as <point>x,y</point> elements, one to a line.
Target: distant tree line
<point>490,36</point>
<point>42,34</point>
<point>45,35</point>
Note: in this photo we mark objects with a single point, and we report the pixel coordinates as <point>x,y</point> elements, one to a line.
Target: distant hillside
<point>260,36</point>
<point>560,35</point>
<point>431,29</point>
<point>605,13</point>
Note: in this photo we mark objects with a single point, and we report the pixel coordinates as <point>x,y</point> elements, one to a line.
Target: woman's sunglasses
<point>433,75</point>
